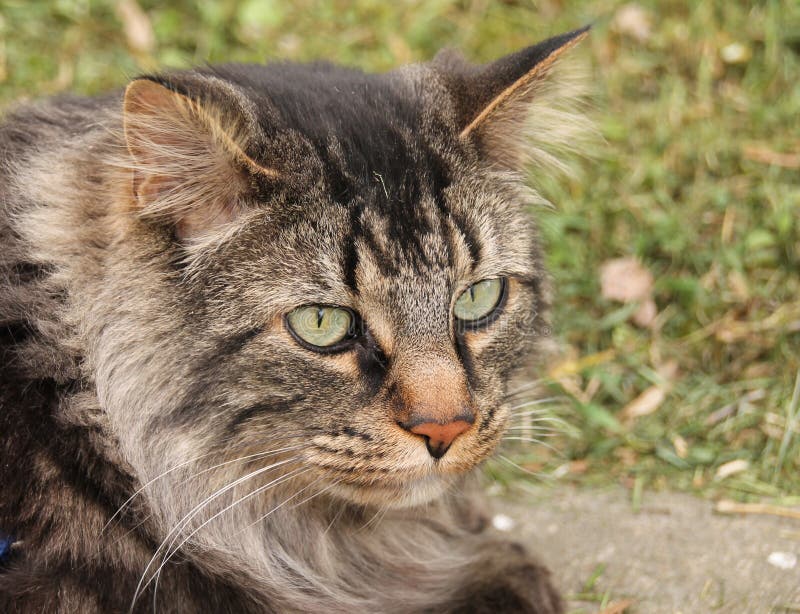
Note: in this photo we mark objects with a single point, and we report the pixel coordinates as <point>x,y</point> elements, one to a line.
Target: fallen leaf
<point>625,280</point>
<point>681,447</point>
<point>579,466</point>
<point>731,468</point>
<point>645,404</point>
<point>634,21</point>
<point>572,366</point>
<point>760,153</point>
<point>617,607</point>
<point>626,456</point>
<point>645,316</point>
<point>726,506</point>
<point>137,27</point>
<point>698,480</point>
<point>668,370</point>
<point>3,53</point>
<point>739,286</point>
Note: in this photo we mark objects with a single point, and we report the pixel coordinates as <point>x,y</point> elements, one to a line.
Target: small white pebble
<point>561,471</point>
<point>783,560</point>
<point>735,53</point>
<point>501,522</point>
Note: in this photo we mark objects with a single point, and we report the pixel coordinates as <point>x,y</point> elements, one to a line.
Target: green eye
<point>321,326</point>
<point>480,300</point>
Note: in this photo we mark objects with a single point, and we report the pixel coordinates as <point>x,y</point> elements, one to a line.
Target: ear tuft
<point>522,108</point>
<point>188,161</point>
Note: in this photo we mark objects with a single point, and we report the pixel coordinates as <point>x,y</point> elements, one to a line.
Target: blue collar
<point>6,541</point>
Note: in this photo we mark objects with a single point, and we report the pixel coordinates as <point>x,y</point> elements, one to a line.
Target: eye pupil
<point>477,303</point>
<point>321,327</point>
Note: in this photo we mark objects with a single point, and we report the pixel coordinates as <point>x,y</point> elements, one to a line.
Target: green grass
<point>687,179</point>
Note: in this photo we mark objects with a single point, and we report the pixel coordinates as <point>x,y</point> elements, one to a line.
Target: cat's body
<point>157,400</point>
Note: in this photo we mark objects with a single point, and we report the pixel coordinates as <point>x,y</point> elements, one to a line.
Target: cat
<point>257,325</point>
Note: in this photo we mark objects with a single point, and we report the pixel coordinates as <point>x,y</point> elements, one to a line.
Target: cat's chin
<point>394,494</point>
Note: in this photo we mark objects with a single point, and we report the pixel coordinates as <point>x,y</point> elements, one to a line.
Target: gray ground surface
<point>675,555</point>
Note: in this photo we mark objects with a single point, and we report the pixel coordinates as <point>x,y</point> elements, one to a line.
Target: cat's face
<point>352,330</point>
<point>350,295</point>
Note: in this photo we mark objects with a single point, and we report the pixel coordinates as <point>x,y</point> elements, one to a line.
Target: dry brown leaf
<point>726,506</point>
<point>400,49</point>
<point>3,53</point>
<point>739,286</point>
<point>760,153</point>
<point>572,366</point>
<point>137,27</point>
<point>645,316</point>
<point>634,21</point>
<point>645,404</point>
<point>625,280</point>
<point>681,447</point>
<point>617,607</point>
<point>728,329</point>
<point>698,479</point>
<point>731,468</point>
<point>668,370</point>
<point>728,225</point>
<point>578,466</point>
<point>626,456</point>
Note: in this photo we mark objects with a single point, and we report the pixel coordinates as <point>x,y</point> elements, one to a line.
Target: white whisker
<point>538,442</point>
<point>538,422</point>
<point>194,511</point>
<point>336,517</point>
<point>541,476</point>
<point>532,402</point>
<point>171,551</point>
<point>183,464</point>
<point>534,417</point>
<point>524,387</point>
<point>535,412</point>
<point>376,517</point>
<point>533,431</point>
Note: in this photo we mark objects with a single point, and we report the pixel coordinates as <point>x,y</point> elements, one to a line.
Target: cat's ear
<point>188,153</point>
<point>516,109</point>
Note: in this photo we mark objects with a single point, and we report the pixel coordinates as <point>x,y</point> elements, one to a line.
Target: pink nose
<point>438,437</point>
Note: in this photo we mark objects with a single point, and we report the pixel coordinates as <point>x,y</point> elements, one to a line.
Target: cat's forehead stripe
<point>398,211</point>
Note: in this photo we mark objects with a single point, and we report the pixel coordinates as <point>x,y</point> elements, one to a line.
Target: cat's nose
<point>439,437</point>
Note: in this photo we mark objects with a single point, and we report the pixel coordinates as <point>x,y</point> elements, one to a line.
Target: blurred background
<point>675,252</point>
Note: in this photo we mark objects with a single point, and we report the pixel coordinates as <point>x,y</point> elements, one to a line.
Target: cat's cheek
<point>345,362</point>
<point>479,442</point>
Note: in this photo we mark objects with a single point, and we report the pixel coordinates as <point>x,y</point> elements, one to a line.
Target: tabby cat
<point>256,328</point>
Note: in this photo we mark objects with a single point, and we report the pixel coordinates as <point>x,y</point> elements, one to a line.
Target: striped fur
<point>167,444</point>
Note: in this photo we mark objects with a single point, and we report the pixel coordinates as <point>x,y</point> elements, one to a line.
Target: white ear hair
<point>524,108</point>
<point>188,162</point>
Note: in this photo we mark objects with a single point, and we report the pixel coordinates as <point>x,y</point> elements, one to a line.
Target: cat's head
<point>327,269</point>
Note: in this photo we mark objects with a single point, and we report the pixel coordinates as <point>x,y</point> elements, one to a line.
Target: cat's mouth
<point>400,473</point>
<point>397,488</point>
<point>395,493</point>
